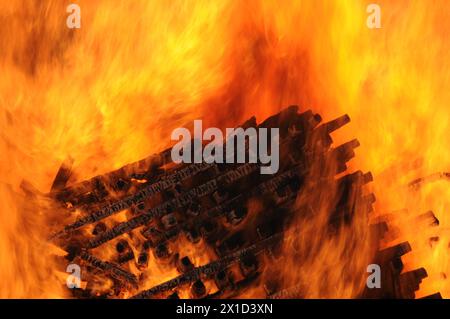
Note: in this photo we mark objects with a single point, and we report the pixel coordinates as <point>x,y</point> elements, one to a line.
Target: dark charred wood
<point>63,175</point>
<point>184,264</point>
<point>99,228</point>
<point>142,260</point>
<point>210,269</point>
<point>198,290</point>
<point>210,203</point>
<point>173,296</point>
<point>222,279</point>
<point>110,268</point>
<point>429,218</point>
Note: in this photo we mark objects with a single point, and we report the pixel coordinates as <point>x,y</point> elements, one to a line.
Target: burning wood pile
<point>139,231</point>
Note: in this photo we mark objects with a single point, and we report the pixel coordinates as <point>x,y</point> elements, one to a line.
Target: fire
<point>111,92</point>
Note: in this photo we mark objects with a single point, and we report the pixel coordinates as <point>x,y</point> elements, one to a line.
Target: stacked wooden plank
<point>166,208</point>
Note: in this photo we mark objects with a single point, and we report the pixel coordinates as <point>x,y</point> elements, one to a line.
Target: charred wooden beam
<point>208,202</point>
<point>178,202</point>
<point>409,282</point>
<point>417,183</point>
<point>137,198</point>
<point>428,218</point>
<point>192,195</point>
<point>63,175</point>
<point>110,268</point>
<point>210,269</point>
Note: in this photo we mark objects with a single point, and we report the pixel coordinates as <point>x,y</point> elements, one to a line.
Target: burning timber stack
<point>156,229</point>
